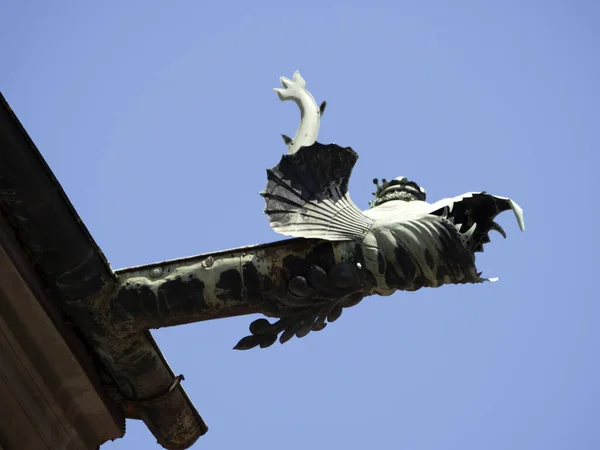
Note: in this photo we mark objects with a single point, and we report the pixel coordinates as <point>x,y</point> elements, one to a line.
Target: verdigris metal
<point>340,256</point>
<point>403,242</point>
<point>234,282</point>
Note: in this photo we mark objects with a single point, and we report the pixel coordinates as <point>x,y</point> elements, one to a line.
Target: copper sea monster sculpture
<point>400,243</point>
<point>339,256</point>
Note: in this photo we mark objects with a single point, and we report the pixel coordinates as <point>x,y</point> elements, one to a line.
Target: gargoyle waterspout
<point>402,242</point>
<point>340,256</point>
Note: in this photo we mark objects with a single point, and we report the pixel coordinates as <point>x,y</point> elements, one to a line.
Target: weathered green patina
<point>343,254</point>
<point>339,256</point>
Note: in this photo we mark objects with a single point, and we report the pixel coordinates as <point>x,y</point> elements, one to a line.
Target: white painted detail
<point>310,114</point>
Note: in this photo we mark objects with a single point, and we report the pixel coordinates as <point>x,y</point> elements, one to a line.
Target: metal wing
<point>475,212</point>
<point>307,195</point>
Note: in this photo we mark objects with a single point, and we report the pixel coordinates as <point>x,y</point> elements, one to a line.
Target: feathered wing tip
<point>474,212</point>
<point>307,195</point>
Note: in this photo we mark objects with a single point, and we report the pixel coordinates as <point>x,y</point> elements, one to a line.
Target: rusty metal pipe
<point>216,285</point>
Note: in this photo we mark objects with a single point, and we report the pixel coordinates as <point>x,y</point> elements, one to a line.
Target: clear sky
<point>159,120</point>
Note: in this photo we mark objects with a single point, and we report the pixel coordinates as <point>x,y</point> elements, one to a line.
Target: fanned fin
<point>307,195</point>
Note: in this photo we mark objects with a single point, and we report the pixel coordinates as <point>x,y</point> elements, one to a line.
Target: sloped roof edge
<point>73,266</point>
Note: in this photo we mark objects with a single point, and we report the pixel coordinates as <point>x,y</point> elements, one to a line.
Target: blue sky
<point>159,120</point>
